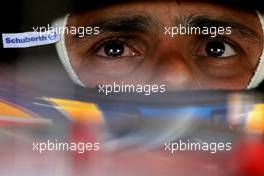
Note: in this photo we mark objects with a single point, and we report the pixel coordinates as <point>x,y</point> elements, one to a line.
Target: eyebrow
<point>123,24</point>
<point>238,29</point>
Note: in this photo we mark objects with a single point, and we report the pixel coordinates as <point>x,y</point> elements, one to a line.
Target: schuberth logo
<point>29,39</point>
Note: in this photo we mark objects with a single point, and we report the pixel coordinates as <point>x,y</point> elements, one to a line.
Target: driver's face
<point>133,47</point>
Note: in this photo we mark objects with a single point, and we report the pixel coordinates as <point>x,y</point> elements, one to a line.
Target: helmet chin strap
<point>259,73</point>
<point>257,78</point>
<point>62,51</point>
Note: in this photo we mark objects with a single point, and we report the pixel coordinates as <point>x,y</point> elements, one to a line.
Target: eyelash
<point>217,63</point>
<point>222,38</point>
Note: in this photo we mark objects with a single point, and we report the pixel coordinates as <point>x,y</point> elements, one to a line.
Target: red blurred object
<point>250,157</point>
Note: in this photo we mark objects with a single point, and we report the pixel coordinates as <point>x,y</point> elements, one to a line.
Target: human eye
<point>220,57</point>
<point>117,48</point>
<point>216,48</point>
<point>115,55</point>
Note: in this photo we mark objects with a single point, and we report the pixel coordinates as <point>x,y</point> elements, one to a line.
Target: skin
<point>151,57</point>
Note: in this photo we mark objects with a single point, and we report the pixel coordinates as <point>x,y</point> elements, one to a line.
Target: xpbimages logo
<point>28,39</point>
<point>80,147</point>
<point>129,88</point>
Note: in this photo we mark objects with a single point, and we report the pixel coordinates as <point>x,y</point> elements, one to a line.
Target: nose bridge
<point>173,70</point>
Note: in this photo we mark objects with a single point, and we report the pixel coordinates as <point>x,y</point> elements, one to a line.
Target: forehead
<point>168,11</point>
<point>84,5</point>
<point>165,8</point>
